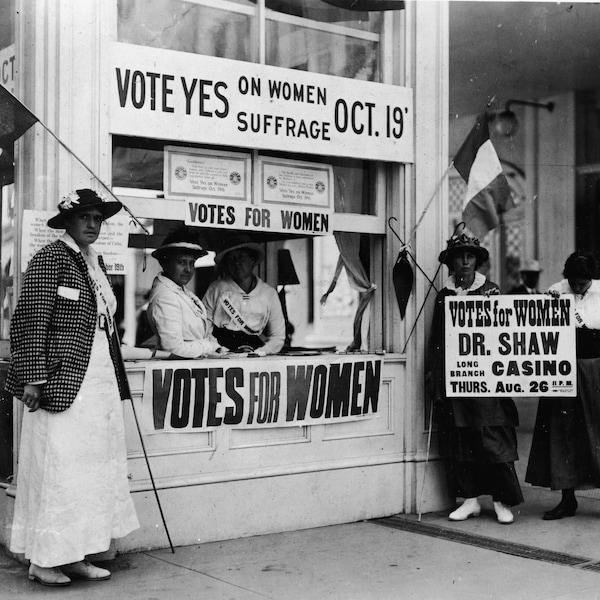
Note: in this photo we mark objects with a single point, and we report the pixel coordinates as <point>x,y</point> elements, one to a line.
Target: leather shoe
<point>51,576</point>
<point>469,508</point>
<point>503,513</point>
<point>560,511</point>
<point>85,570</point>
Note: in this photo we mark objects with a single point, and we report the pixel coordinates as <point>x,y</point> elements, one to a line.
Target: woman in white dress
<point>72,486</point>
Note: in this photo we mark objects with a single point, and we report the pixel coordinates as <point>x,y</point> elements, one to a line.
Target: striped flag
<point>15,119</point>
<point>488,194</point>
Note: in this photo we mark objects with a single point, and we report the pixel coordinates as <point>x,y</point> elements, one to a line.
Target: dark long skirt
<point>565,450</point>
<point>480,460</point>
<point>468,480</point>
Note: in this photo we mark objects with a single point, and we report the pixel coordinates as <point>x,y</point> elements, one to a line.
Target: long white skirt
<point>72,486</point>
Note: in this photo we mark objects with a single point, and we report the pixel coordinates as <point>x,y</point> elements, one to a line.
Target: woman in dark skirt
<point>565,451</point>
<point>477,435</point>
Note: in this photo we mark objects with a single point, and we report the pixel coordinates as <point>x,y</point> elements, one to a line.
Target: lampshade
<point>286,273</point>
<point>505,124</point>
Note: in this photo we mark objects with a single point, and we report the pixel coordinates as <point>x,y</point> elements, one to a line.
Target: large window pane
<point>305,49</point>
<point>186,27</point>
<point>327,12</point>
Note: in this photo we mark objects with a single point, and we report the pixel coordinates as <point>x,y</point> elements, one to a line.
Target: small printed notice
<point>283,182</point>
<point>111,244</point>
<point>205,174</point>
<point>510,346</point>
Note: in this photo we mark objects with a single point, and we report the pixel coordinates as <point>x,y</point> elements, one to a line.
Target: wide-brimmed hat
<point>530,265</point>
<point>236,242</point>
<point>462,243</point>
<point>81,200</point>
<point>182,242</point>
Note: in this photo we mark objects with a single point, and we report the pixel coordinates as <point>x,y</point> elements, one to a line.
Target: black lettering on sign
<point>372,383</point>
<point>160,395</point>
<point>182,391</point>
<point>319,388</point>
<point>199,376</point>
<point>338,394</point>
<point>214,397</point>
<point>298,385</point>
<point>234,378</point>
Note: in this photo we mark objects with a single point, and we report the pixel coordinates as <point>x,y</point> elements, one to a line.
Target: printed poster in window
<point>295,183</point>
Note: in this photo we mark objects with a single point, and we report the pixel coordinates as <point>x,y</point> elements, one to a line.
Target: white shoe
<point>504,514</point>
<point>469,508</point>
<point>86,570</point>
<point>51,576</point>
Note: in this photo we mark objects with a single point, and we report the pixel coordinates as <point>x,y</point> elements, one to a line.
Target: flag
<point>15,119</point>
<point>488,194</point>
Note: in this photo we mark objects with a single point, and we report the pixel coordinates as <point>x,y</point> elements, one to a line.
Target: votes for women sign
<point>510,346</point>
<point>202,395</point>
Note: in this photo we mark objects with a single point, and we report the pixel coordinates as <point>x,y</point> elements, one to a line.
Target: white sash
<point>236,318</point>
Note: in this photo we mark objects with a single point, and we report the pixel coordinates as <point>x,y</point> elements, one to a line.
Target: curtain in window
<point>349,259</point>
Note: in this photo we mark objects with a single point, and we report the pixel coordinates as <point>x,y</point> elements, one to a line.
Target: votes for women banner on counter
<point>510,346</point>
<point>202,395</point>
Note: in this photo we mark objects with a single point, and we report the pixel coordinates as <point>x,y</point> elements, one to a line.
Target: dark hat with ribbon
<point>463,243</point>
<point>181,241</point>
<point>237,242</point>
<point>82,200</point>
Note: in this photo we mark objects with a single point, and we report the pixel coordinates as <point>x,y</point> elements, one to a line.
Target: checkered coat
<point>53,326</point>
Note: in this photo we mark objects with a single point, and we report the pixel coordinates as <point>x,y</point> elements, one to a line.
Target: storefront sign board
<point>510,346</point>
<point>170,95</point>
<point>8,68</point>
<point>111,244</point>
<point>202,395</point>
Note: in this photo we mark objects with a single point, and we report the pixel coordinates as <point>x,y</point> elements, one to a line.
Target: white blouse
<point>178,318</point>
<point>587,305</point>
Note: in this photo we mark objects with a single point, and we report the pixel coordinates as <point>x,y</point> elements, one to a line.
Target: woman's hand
<point>32,396</point>
<point>244,348</point>
<point>492,292</point>
<point>553,293</point>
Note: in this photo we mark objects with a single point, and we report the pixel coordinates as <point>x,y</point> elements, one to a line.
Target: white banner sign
<point>8,68</point>
<point>201,395</point>
<point>171,95</point>
<point>510,346</point>
<point>111,243</point>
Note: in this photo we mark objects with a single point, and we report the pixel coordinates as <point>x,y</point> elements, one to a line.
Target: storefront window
<point>316,51</point>
<point>320,38</point>
<point>314,36</point>
<point>322,306</point>
<point>189,26</point>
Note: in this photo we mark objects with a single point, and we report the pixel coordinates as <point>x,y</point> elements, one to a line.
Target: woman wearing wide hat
<point>72,486</point>
<point>477,435</point>
<point>245,311</point>
<point>176,314</point>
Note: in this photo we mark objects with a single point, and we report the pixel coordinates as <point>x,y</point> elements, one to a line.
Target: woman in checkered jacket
<point>72,486</point>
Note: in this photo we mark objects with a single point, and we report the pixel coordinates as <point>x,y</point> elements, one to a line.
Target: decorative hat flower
<point>67,202</point>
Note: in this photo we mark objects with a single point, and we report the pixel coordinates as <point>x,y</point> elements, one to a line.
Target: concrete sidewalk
<point>363,561</point>
<point>395,558</point>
